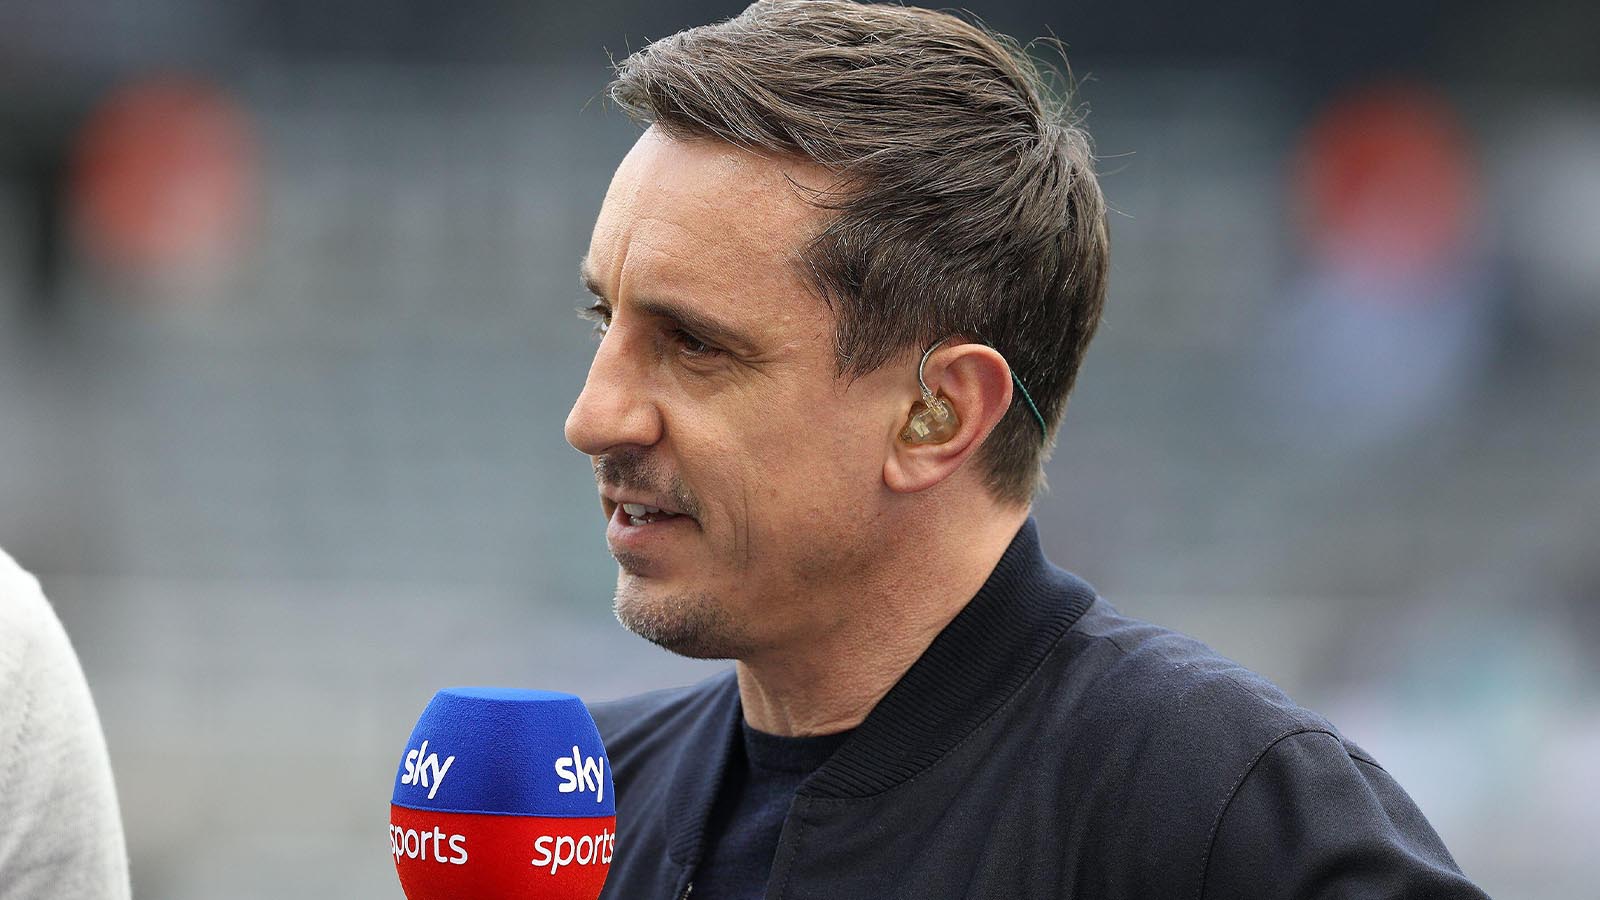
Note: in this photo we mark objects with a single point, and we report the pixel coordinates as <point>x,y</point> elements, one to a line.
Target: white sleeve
<point>60,828</point>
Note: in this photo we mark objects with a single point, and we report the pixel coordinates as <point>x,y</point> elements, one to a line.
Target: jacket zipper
<point>686,889</point>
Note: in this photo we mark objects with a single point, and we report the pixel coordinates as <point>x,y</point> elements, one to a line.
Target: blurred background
<point>286,345</point>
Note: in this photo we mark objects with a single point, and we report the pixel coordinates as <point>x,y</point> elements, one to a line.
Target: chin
<point>686,622</point>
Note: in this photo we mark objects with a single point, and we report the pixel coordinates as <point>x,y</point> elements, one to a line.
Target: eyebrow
<point>694,321</point>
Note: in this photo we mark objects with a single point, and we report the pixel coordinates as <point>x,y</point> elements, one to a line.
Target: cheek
<point>817,471</point>
<point>796,463</point>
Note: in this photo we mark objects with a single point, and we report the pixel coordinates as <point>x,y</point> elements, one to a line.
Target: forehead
<point>709,223</point>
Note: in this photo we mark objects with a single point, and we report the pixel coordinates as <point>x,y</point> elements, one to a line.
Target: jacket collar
<point>972,667</point>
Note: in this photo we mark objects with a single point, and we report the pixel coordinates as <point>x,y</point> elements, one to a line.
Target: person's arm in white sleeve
<point>60,828</point>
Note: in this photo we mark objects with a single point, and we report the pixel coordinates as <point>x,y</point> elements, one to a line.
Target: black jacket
<point>1043,747</point>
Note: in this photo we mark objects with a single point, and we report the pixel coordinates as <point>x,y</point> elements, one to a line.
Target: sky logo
<point>582,773</point>
<point>425,770</point>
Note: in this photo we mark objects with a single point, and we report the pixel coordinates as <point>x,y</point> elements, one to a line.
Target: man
<point>843,284</point>
<point>60,828</point>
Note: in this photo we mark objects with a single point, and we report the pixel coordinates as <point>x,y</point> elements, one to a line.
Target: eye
<point>693,346</point>
<point>599,314</point>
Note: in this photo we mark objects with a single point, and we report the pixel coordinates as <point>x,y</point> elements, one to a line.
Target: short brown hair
<point>967,202</point>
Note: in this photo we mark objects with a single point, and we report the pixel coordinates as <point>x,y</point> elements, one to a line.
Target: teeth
<point>639,509</point>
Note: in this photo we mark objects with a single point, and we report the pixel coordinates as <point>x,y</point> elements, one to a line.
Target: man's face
<point>712,394</point>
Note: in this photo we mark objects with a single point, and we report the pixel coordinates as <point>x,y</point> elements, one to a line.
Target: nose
<point>615,407</point>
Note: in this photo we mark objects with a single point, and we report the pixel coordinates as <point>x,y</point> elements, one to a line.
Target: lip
<point>624,536</point>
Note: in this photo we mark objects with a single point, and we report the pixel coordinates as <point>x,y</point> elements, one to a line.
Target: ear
<point>975,380</point>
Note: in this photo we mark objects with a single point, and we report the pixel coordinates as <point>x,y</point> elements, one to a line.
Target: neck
<point>829,681</point>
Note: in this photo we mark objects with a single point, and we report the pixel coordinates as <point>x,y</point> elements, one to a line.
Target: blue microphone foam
<point>505,751</point>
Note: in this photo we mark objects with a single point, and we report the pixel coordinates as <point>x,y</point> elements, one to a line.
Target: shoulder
<point>1152,678</point>
<point>29,630</point>
<point>1316,815</point>
<point>1158,732</point>
<point>647,737</point>
<point>46,696</point>
<point>62,835</point>
<point>638,723</point>
<point>21,599</point>
<point>1160,722</point>
<point>1266,797</point>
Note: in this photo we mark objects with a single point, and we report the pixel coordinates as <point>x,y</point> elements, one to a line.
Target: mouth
<point>640,514</point>
<point>630,514</point>
<point>638,533</point>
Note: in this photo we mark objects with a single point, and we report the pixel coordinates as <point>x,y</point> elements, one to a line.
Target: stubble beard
<point>691,624</point>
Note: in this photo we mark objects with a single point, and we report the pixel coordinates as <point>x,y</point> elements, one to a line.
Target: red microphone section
<point>459,855</point>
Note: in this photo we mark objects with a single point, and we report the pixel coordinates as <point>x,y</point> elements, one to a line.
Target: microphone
<point>503,793</point>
